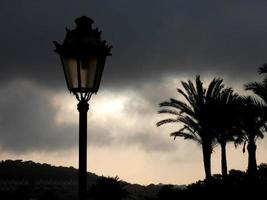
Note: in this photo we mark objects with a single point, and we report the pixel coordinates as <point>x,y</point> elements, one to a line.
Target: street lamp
<point>83,54</point>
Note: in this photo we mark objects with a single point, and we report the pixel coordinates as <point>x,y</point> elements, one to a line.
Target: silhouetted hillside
<point>31,171</point>
<point>44,181</point>
<point>26,180</point>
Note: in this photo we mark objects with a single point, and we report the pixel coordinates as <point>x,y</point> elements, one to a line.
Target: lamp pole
<point>83,54</point>
<point>83,108</point>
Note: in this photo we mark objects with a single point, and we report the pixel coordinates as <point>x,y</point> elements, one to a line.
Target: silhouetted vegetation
<point>237,184</point>
<point>108,188</point>
<point>224,112</point>
<point>218,115</point>
<point>195,115</point>
<point>253,127</point>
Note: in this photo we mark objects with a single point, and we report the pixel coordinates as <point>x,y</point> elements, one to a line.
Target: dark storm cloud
<point>27,120</point>
<point>150,38</point>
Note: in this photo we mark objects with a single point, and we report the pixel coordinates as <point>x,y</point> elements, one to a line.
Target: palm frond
<point>263,69</point>
<point>214,88</point>
<point>260,89</point>
<point>190,92</point>
<point>188,121</point>
<point>183,107</point>
<point>183,94</point>
<point>169,104</point>
<point>200,90</point>
<point>254,86</point>
<point>166,121</point>
<point>186,136</point>
<point>169,111</point>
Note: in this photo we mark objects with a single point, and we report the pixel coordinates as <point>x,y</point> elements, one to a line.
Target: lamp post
<point>83,54</point>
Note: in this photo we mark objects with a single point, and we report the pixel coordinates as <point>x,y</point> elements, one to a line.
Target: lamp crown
<point>84,22</point>
<point>83,41</point>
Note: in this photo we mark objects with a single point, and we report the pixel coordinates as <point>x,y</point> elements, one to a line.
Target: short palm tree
<point>194,115</point>
<point>225,120</point>
<point>260,89</point>
<point>253,124</point>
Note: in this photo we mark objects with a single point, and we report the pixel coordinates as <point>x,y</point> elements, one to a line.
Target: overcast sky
<point>156,45</point>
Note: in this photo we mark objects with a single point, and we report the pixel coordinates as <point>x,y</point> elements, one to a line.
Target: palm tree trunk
<point>206,150</point>
<point>252,163</point>
<point>223,160</point>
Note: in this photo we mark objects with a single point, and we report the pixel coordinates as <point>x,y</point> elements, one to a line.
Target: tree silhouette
<point>108,188</point>
<point>194,114</point>
<point>262,169</point>
<point>225,120</point>
<point>260,89</point>
<point>167,192</point>
<point>253,124</point>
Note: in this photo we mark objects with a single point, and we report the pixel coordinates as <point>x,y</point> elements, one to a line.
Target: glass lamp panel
<point>70,67</point>
<point>88,72</point>
<point>100,68</point>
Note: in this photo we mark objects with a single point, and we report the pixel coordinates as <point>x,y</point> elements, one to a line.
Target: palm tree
<point>260,89</point>
<point>194,115</point>
<point>253,124</point>
<point>225,122</point>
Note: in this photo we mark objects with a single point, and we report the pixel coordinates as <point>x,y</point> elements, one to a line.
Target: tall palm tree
<point>194,115</point>
<point>253,124</point>
<point>225,120</point>
<point>260,89</point>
